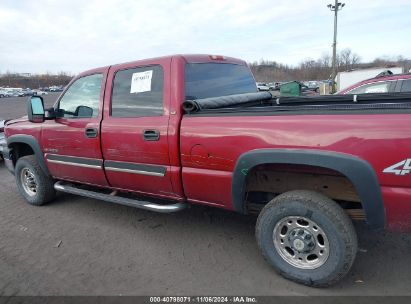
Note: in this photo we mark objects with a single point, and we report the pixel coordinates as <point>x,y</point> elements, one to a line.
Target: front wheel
<point>33,184</point>
<point>307,238</point>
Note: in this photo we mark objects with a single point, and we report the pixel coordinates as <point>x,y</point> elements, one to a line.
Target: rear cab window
<point>204,80</point>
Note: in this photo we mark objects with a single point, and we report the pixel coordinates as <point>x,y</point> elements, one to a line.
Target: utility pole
<point>335,8</point>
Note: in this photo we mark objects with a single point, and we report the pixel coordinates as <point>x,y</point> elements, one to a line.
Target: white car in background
<point>39,92</point>
<point>262,86</point>
<point>5,93</point>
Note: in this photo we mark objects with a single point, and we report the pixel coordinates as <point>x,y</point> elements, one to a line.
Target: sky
<point>38,36</point>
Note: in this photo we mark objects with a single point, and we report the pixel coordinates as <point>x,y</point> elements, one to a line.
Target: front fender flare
<point>358,171</point>
<point>34,145</point>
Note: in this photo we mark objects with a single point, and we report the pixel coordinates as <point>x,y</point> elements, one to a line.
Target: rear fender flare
<point>358,171</point>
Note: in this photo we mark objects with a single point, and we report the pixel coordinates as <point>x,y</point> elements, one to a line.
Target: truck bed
<point>377,131</point>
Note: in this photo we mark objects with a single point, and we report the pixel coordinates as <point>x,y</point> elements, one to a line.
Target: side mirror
<point>35,109</point>
<point>50,113</point>
<point>83,112</point>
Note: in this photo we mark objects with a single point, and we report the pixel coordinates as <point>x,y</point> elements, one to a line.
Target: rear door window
<point>138,92</point>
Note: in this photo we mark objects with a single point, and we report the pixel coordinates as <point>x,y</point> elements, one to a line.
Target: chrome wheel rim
<point>301,242</point>
<point>28,181</point>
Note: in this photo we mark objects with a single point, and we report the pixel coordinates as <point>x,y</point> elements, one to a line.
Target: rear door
<point>135,128</point>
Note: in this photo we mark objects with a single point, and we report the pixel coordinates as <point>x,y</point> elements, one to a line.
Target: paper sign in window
<point>141,82</point>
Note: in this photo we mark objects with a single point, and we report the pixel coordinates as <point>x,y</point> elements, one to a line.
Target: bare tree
<point>345,57</point>
<point>320,69</point>
<point>34,81</point>
<point>355,60</point>
<point>325,61</point>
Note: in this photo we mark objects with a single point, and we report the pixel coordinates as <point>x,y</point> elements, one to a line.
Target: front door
<point>135,129</point>
<point>71,142</point>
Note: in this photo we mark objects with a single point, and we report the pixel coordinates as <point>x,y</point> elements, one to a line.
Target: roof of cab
<point>189,58</point>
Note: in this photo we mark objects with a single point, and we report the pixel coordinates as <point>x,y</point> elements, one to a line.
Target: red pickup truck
<point>161,134</point>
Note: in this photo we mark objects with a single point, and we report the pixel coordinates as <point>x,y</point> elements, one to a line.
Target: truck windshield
<point>204,80</point>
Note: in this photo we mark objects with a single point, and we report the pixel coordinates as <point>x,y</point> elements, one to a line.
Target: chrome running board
<point>69,188</point>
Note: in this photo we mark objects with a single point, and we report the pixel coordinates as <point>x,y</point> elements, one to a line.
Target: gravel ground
<point>78,246</point>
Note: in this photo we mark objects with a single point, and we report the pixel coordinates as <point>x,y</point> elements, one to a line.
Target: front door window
<point>82,99</point>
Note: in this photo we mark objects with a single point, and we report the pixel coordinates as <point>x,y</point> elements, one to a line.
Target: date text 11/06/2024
<point>204,299</point>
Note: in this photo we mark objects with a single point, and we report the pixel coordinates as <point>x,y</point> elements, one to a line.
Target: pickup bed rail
<point>265,99</point>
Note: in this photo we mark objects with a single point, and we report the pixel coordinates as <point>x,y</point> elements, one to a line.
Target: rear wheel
<point>307,238</point>
<point>33,184</point>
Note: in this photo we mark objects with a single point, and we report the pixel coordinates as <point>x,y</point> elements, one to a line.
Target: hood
<point>17,120</point>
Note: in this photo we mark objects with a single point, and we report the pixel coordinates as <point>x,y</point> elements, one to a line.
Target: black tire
<point>332,220</point>
<point>44,190</point>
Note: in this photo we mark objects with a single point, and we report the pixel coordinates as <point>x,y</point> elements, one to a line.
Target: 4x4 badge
<point>401,168</point>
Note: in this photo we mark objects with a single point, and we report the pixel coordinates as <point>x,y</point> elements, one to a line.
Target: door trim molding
<point>115,166</point>
<point>84,162</point>
<point>134,168</point>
